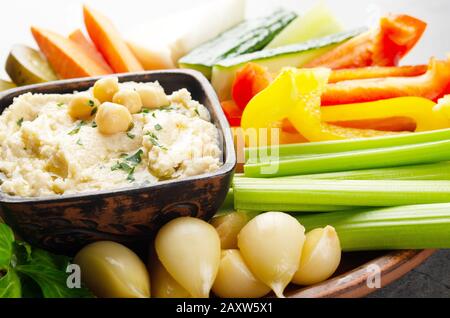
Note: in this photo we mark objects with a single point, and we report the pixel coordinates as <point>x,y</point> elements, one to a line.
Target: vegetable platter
<point>343,155</point>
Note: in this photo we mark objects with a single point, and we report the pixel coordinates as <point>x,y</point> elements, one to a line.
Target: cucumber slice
<point>26,66</point>
<point>5,85</point>
<point>318,22</point>
<point>248,36</point>
<point>295,55</point>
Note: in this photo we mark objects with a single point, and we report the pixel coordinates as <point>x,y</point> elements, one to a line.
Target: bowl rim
<point>228,153</point>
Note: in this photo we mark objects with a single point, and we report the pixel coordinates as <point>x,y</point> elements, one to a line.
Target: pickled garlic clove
<point>111,270</point>
<point>321,256</point>
<point>271,246</point>
<point>235,280</point>
<point>189,249</point>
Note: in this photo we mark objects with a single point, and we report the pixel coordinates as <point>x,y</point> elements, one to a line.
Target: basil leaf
<point>49,272</point>
<point>6,245</point>
<point>53,282</point>
<point>10,286</point>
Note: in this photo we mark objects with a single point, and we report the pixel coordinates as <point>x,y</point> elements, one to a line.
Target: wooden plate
<point>357,269</point>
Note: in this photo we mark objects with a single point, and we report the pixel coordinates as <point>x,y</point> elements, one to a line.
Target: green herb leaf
<point>91,103</point>
<point>131,126</point>
<point>19,122</point>
<point>60,104</point>
<point>52,281</point>
<point>130,135</point>
<point>31,272</point>
<point>94,111</point>
<point>136,158</point>
<point>154,140</point>
<point>145,111</point>
<point>158,127</point>
<point>76,130</point>
<point>10,286</point>
<point>130,176</point>
<point>154,115</point>
<point>79,142</point>
<point>6,246</point>
<point>121,166</point>
<point>196,111</point>
<point>166,108</point>
<point>94,124</point>
<point>129,165</point>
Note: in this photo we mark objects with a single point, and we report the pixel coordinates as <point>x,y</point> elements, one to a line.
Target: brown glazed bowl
<point>63,224</point>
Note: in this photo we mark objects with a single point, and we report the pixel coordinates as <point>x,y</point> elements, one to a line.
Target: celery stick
<point>353,160</point>
<point>348,145</point>
<point>294,194</point>
<point>404,227</point>
<point>433,171</point>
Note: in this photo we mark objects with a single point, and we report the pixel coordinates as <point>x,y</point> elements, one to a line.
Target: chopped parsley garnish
<point>91,103</point>
<point>158,127</point>
<point>94,111</point>
<point>145,111</point>
<point>60,104</point>
<point>154,140</point>
<point>79,142</point>
<point>131,126</point>
<point>167,108</point>
<point>122,166</point>
<point>76,130</point>
<point>130,135</point>
<point>20,122</point>
<point>94,124</point>
<point>129,164</point>
<point>154,115</point>
<point>136,158</point>
<point>196,111</point>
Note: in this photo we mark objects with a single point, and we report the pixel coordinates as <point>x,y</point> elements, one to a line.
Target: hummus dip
<point>44,151</point>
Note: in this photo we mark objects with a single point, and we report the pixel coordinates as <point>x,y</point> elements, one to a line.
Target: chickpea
<point>271,245</point>
<point>111,270</point>
<point>130,99</point>
<point>153,96</point>
<point>321,256</point>
<point>163,285</point>
<point>113,118</point>
<point>189,249</point>
<point>234,272</point>
<point>105,89</point>
<point>228,226</point>
<point>83,106</point>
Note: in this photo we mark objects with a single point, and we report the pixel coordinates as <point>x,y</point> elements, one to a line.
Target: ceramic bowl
<point>63,224</point>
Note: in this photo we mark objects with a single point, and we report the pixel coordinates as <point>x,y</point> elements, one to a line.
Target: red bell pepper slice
<point>431,85</point>
<point>249,81</point>
<point>232,112</point>
<point>384,46</point>
<point>347,74</point>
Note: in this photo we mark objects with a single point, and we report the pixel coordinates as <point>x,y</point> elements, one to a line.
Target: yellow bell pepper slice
<point>295,95</point>
<point>421,110</point>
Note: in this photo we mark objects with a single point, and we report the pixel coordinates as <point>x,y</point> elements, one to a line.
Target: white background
<point>16,17</point>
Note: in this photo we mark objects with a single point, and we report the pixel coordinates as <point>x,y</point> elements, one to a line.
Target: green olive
<point>111,270</point>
